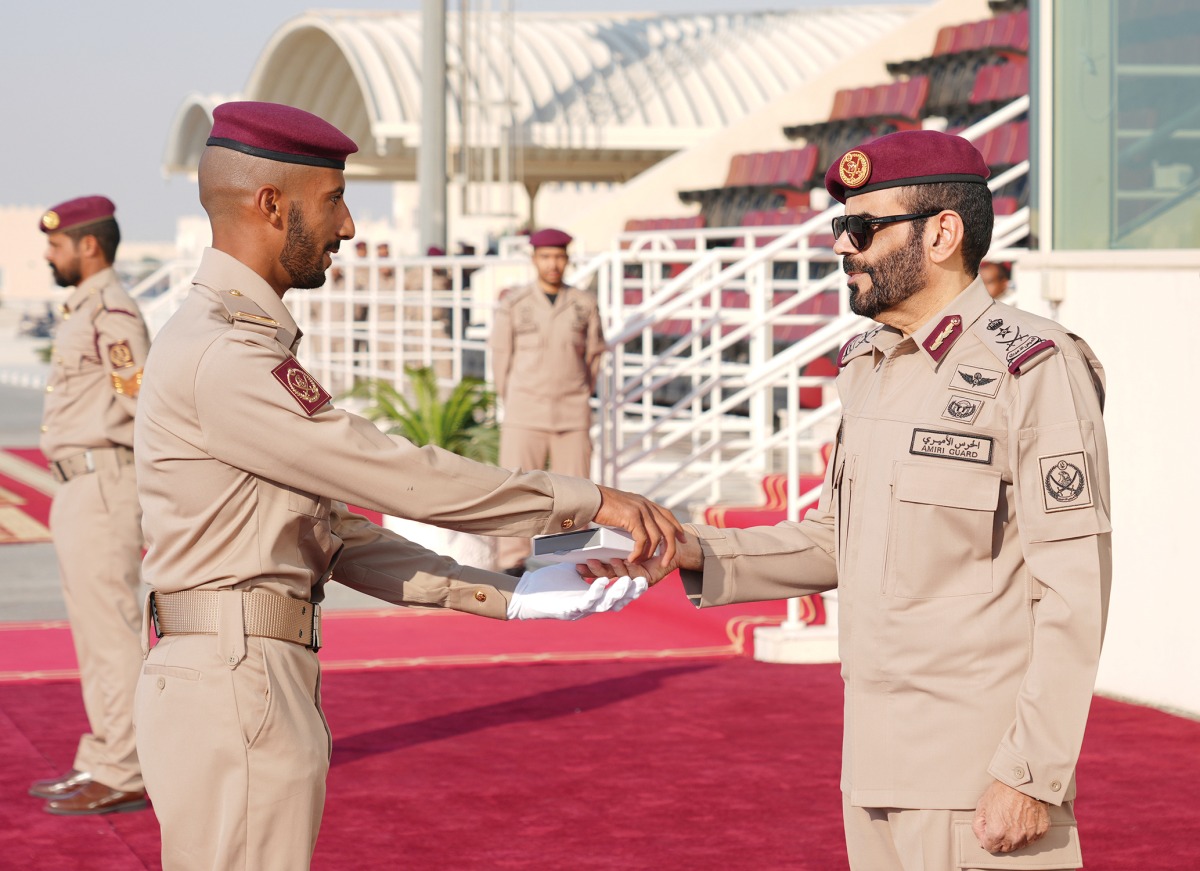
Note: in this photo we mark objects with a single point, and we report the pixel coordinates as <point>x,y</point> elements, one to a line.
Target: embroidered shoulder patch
<point>303,387</point>
<point>1015,346</point>
<point>963,409</point>
<point>119,355</point>
<point>1065,481</point>
<point>856,345</point>
<point>952,446</point>
<point>976,379</point>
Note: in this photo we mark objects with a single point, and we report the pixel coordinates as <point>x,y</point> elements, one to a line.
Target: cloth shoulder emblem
<point>303,387</point>
<point>857,346</point>
<point>1065,482</point>
<point>1012,339</point>
<point>119,355</point>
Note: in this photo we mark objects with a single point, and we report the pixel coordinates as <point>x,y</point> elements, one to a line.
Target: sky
<point>90,90</point>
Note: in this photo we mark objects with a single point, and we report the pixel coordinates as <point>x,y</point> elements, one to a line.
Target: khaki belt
<point>86,462</point>
<point>266,615</point>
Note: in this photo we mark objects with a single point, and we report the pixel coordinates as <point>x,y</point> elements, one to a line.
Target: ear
<point>87,247</point>
<point>947,230</point>
<point>268,201</point>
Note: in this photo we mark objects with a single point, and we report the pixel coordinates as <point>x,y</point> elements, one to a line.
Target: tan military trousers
<point>900,839</point>
<point>569,453</point>
<point>235,758</point>
<point>97,529</point>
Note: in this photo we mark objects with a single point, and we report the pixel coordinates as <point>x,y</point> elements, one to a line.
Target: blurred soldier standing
<point>87,435</point>
<point>546,345</point>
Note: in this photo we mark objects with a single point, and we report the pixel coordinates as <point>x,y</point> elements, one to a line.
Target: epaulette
<point>515,294</point>
<point>245,313</point>
<point>1009,334</point>
<point>857,346</point>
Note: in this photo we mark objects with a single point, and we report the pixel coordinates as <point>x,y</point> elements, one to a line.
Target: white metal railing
<point>710,332</point>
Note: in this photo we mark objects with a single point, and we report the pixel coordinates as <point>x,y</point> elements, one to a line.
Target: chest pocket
<point>942,529</point>
<point>307,504</point>
<point>526,335</point>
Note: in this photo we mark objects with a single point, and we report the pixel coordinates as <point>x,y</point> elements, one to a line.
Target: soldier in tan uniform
<point>964,521</point>
<point>546,345</point>
<point>87,435</point>
<point>244,471</point>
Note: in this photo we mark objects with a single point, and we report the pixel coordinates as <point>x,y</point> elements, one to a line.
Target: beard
<point>68,276</point>
<point>302,256</point>
<point>894,278</point>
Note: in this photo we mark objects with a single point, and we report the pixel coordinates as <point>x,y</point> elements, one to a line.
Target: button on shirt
<point>100,347</point>
<point>964,522</point>
<point>244,468</point>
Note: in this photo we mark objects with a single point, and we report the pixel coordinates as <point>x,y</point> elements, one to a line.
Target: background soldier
<point>964,521</point>
<point>87,435</point>
<point>245,469</point>
<point>546,345</point>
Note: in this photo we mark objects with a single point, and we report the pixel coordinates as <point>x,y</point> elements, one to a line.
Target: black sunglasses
<point>860,229</point>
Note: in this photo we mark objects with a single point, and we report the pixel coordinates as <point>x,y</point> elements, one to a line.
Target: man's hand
<point>1007,819</point>
<point>649,523</point>
<point>688,555</point>
<point>557,592</point>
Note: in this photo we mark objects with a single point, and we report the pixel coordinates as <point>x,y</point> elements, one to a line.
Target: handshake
<point>557,592</point>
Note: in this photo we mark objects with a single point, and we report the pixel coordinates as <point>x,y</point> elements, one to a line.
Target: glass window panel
<point>1126,133</point>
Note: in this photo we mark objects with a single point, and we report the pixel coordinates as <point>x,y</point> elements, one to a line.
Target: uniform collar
<point>222,272</point>
<point>936,337</point>
<point>87,287</point>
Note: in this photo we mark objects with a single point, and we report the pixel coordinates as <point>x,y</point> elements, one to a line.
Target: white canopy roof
<point>594,97</point>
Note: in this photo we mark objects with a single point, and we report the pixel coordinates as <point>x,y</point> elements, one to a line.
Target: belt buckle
<point>60,474</point>
<point>315,632</point>
<point>154,615</point>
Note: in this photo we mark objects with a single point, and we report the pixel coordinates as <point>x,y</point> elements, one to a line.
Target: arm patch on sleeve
<point>1065,482</point>
<point>303,387</point>
<point>119,355</point>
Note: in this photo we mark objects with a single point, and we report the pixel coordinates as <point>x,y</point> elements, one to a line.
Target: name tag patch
<point>1065,482</point>
<point>962,408</point>
<point>952,446</point>
<point>303,387</point>
<point>976,379</point>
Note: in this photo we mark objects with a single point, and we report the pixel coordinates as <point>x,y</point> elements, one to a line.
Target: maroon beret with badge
<point>76,213</point>
<point>549,238</point>
<point>905,158</point>
<point>277,132</point>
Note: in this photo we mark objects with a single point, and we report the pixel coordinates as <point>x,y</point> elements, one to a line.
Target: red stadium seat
<point>739,166</point>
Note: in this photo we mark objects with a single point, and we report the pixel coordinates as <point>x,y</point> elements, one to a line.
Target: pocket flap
<point>1058,850</point>
<point>951,487</point>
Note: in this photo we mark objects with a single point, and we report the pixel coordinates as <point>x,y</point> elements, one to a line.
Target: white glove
<point>557,592</point>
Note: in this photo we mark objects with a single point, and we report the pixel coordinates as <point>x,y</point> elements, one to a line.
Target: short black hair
<point>106,233</point>
<point>972,202</point>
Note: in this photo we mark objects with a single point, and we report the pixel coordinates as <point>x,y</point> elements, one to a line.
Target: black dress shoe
<point>57,787</point>
<point>96,798</point>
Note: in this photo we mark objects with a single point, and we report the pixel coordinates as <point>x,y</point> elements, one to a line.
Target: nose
<point>347,229</point>
<point>841,244</point>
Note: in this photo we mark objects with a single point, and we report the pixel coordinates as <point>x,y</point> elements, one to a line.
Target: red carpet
<point>703,764</point>
<point>25,493</point>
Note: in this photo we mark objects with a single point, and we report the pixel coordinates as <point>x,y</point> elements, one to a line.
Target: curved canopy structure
<point>586,97</point>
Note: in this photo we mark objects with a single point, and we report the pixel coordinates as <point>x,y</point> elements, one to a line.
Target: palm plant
<point>462,423</point>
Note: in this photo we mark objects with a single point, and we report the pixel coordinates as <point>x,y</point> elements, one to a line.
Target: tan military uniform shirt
<point>965,523</point>
<point>244,468</point>
<point>100,348</point>
<point>545,357</point>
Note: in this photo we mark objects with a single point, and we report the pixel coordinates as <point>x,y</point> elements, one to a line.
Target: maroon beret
<point>905,158</point>
<point>76,213</point>
<point>279,132</point>
<point>549,238</point>
<point>435,251</point>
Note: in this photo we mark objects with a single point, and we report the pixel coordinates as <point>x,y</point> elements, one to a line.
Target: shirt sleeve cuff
<point>712,584</point>
<point>576,503</point>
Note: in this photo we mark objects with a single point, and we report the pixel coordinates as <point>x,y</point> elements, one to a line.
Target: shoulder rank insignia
<point>119,355</point>
<point>303,387</point>
<point>1018,348</point>
<point>857,345</point>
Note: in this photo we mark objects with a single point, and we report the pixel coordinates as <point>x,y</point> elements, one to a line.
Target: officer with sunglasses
<point>964,522</point>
